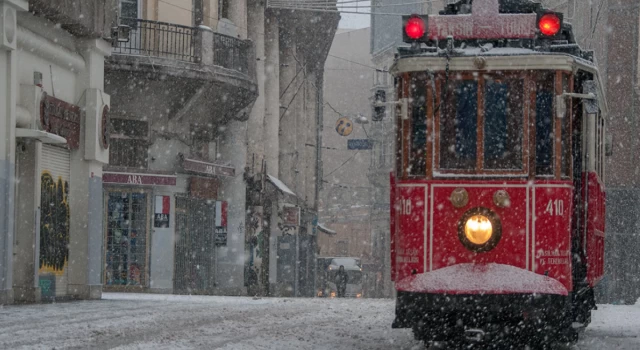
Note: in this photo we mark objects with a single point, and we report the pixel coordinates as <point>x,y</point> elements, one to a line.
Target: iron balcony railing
<point>183,43</point>
<point>158,39</point>
<point>233,53</point>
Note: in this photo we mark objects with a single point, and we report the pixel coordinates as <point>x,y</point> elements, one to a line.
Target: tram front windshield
<point>480,123</point>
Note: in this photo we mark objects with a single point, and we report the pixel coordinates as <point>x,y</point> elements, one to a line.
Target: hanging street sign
<point>359,144</point>
<point>344,126</point>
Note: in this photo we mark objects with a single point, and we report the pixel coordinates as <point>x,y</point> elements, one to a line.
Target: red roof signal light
<point>414,28</point>
<point>550,23</point>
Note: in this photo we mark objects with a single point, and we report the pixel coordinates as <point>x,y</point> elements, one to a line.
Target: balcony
<point>187,73</point>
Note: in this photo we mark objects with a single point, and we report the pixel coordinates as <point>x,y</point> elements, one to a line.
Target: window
<point>459,125</point>
<point>545,125</point>
<point>503,124</point>
<point>223,9</point>
<point>129,8</point>
<point>126,239</point>
<point>129,143</point>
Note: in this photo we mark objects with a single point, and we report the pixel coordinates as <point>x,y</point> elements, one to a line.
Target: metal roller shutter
<point>57,161</point>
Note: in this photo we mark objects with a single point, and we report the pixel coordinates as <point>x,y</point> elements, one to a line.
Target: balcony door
<point>129,13</point>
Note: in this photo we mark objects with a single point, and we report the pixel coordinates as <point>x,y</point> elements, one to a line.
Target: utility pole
<point>319,175</point>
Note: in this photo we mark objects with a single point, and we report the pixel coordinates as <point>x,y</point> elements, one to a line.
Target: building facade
<point>53,115</point>
<point>209,98</point>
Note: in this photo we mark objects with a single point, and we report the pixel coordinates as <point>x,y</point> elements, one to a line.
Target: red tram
<point>498,202</point>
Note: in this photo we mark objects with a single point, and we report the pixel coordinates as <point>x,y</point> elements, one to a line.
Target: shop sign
<point>162,212</point>
<point>203,188</point>
<point>221,236</point>
<point>205,168</point>
<point>105,132</point>
<point>61,118</point>
<point>291,216</point>
<point>138,179</point>
<point>221,223</point>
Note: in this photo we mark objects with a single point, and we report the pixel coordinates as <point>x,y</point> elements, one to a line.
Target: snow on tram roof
<point>497,51</point>
<point>493,52</point>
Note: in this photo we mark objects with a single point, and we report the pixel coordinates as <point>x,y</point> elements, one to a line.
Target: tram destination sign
<point>485,22</point>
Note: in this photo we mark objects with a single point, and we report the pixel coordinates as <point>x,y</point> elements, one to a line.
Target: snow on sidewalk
<point>153,321</point>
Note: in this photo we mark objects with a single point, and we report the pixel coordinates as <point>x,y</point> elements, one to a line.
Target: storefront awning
<point>43,136</point>
<point>280,185</point>
<point>326,230</point>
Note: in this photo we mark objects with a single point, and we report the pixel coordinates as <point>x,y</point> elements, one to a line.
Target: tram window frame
<point>513,161</point>
<point>566,129</point>
<point>544,79</point>
<point>449,140</point>
<point>400,151</point>
<point>479,166</point>
<point>419,134</point>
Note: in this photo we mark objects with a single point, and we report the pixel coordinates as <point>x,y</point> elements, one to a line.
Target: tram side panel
<point>595,229</point>
<point>411,245</point>
<point>551,235</point>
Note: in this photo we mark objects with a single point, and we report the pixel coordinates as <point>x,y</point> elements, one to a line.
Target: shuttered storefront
<point>54,221</point>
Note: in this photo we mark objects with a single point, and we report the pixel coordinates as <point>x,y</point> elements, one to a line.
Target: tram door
<point>588,179</point>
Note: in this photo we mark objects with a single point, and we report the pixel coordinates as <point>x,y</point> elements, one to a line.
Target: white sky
<point>355,21</point>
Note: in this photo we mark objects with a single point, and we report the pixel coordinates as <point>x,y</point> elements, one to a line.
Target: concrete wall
<point>89,18</point>
<point>72,70</point>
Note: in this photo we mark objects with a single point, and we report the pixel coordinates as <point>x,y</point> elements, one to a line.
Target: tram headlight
<point>478,229</point>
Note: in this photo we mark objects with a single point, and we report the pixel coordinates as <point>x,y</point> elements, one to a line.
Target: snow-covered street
<point>147,321</point>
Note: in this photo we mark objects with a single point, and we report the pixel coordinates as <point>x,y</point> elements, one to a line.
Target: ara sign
<point>484,22</point>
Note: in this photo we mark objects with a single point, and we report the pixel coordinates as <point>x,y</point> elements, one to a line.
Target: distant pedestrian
<point>341,281</point>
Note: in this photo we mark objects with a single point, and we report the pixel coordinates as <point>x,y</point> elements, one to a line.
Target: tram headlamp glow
<point>478,229</point>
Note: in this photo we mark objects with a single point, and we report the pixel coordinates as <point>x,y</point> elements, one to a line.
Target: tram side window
<point>417,157</point>
<point>545,125</point>
<point>459,125</point>
<point>504,115</point>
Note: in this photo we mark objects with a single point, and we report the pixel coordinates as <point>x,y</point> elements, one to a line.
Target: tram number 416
<point>555,207</point>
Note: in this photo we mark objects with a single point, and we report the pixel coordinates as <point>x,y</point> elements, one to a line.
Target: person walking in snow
<point>341,281</point>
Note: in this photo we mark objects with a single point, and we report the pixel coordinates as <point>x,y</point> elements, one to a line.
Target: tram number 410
<point>555,207</point>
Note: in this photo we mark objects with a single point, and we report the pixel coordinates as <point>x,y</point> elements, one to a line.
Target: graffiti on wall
<point>54,224</point>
